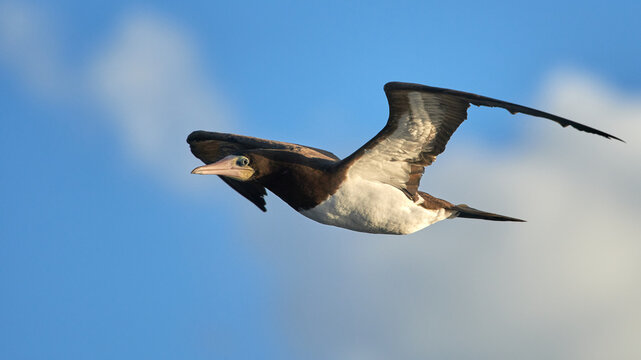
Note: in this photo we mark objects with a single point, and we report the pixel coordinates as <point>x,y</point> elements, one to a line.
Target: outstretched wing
<point>421,121</point>
<point>212,146</point>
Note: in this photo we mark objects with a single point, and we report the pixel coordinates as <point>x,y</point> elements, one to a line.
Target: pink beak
<point>226,167</point>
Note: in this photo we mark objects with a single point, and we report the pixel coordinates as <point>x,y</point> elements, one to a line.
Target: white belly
<point>373,207</point>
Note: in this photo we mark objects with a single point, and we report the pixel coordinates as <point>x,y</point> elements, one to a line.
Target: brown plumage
<point>421,121</point>
<point>300,175</point>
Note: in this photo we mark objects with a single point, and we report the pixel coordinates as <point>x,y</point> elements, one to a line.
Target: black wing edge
<point>201,135</point>
<point>479,100</point>
<point>252,191</point>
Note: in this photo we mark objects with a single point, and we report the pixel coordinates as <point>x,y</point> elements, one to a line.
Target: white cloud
<point>562,286</point>
<point>565,285</point>
<point>150,80</point>
<point>147,78</point>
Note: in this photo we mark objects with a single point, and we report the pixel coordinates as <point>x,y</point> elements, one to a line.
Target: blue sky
<point>110,249</point>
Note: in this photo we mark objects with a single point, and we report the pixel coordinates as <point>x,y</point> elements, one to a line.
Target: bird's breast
<point>373,207</point>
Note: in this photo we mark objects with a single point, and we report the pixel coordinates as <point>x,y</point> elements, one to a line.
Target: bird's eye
<point>242,161</point>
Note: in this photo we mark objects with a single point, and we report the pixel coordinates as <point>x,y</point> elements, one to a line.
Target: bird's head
<point>237,167</point>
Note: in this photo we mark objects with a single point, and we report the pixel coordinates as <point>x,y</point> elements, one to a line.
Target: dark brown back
<point>210,147</point>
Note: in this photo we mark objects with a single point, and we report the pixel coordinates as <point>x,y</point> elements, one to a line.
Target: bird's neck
<point>302,185</point>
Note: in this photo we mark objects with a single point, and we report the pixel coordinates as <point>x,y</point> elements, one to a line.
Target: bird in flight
<point>375,189</point>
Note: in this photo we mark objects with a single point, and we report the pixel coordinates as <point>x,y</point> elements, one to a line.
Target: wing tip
<point>593,131</point>
<point>195,136</point>
<point>612,137</point>
<point>615,138</point>
<point>473,99</point>
<point>261,203</point>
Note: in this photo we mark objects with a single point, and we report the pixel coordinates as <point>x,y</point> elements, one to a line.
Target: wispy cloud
<point>147,79</point>
<point>562,286</point>
<point>150,79</point>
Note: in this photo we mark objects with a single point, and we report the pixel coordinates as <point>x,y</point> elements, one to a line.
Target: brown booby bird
<point>373,190</point>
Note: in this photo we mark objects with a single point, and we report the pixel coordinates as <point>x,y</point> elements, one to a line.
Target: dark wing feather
<point>247,142</point>
<point>479,100</point>
<point>212,146</point>
<point>421,121</point>
<point>251,190</point>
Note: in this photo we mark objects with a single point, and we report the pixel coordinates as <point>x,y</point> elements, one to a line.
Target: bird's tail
<point>465,211</point>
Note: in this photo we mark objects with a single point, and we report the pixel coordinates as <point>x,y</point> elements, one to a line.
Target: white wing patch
<point>389,160</point>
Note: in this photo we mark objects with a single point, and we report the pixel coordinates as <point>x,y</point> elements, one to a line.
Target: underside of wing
<point>479,100</point>
<point>421,121</point>
<point>419,126</point>
<point>210,147</point>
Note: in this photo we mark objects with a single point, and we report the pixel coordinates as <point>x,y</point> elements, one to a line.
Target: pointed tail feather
<point>465,211</point>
